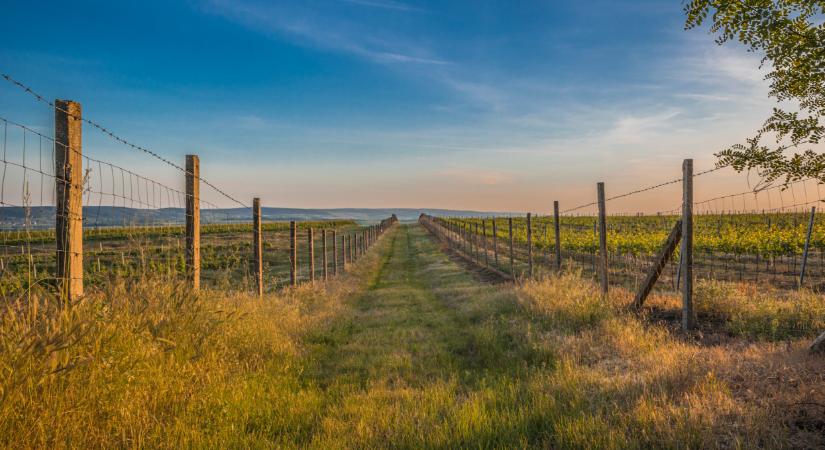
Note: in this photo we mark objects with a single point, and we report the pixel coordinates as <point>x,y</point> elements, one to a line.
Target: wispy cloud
<point>385,4</point>
<point>325,31</point>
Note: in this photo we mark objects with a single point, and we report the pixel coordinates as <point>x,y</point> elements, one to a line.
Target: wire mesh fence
<point>71,216</point>
<point>770,236</point>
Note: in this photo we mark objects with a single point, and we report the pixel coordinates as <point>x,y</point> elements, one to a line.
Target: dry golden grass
<point>408,351</point>
<point>735,393</point>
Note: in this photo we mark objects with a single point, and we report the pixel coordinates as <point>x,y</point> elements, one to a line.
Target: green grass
<point>407,350</point>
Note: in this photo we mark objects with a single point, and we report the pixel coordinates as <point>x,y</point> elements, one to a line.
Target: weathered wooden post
<point>475,243</point>
<point>602,228</point>
<point>495,241</point>
<point>257,245</point>
<point>193,221</point>
<point>688,319</point>
<point>558,234</point>
<point>311,253</point>
<point>484,241</point>
<point>68,160</point>
<point>334,253</point>
<point>807,246</point>
<point>349,246</point>
<point>293,253</point>
<point>512,255</point>
<point>529,245</point>
<point>344,252</point>
<point>324,249</point>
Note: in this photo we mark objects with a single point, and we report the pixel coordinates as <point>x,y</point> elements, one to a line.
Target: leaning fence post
<point>602,228</point>
<point>193,221</point>
<point>807,246</point>
<point>688,318</point>
<point>512,256</point>
<point>293,253</point>
<point>257,245</point>
<point>529,245</point>
<point>68,159</point>
<point>311,252</point>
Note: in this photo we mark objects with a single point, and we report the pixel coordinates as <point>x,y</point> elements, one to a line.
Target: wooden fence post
<point>688,319</point>
<point>257,245</point>
<point>475,243</point>
<point>349,246</point>
<point>344,252</point>
<point>807,246</point>
<point>193,221</point>
<point>602,228</point>
<point>68,160</point>
<point>484,241</point>
<point>557,225</point>
<point>495,241</point>
<point>512,255</point>
<point>311,252</point>
<point>334,253</point>
<point>529,245</point>
<point>293,253</point>
<point>324,249</point>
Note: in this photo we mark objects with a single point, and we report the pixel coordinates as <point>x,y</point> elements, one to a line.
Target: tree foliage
<point>790,35</point>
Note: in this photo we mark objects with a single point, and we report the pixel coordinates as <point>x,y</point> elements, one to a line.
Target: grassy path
<point>426,357</point>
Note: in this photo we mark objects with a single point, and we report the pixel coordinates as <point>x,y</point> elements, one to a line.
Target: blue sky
<point>493,105</point>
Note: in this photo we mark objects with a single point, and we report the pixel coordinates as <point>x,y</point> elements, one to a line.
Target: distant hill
<point>43,216</point>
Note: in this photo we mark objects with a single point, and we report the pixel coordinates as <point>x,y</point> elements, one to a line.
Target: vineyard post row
<point>463,237</point>
<point>69,218</point>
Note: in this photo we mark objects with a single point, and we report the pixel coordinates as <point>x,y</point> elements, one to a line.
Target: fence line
<point>781,245</point>
<point>68,217</point>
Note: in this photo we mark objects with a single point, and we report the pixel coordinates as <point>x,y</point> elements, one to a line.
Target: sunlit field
<point>409,349</point>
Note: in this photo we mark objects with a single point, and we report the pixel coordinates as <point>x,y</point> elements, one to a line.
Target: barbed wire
<point>641,190</point>
<point>117,138</point>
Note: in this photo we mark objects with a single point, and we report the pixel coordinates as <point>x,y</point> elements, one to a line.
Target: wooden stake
<point>193,221</point>
<point>557,226</point>
<point>324,249</point>
<point>68,159</point>
<point>293,253</point>
<point>688,319</point>
<point>311,251</point>
<point>602,228</point>
<point>257,245</point>
<point>334,253</point>
<point>495,241</point>
<point>529,245</point>
<point>512,255</point>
